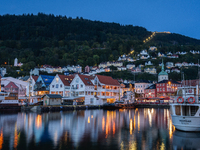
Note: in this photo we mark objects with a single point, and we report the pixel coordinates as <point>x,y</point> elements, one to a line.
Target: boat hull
<point>185,123</point>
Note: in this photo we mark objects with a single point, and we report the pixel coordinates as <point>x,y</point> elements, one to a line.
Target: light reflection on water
<point>93,129</point>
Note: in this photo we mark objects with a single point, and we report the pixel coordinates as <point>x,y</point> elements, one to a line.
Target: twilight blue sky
<point>176,16</point>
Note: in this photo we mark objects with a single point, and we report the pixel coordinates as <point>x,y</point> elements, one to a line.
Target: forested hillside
<point>60,40</point>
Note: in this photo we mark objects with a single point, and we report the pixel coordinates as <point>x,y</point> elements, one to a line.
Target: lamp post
<point>169,83</point>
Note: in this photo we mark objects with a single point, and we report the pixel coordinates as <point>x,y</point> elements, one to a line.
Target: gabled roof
<point>35,78</point>
<point>47,79</point>
<point>152,87</point>
<point>107,80</point>
<point>66,79</point>
<point>11,84</point>
<point>86,79</point>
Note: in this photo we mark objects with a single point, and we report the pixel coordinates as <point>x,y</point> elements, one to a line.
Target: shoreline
<point>69,107</point>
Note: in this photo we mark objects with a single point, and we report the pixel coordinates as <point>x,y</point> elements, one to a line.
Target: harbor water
<point>123,129</point>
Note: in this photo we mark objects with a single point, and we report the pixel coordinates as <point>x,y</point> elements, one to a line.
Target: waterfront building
<point>141,85</point>
<point>106,89</point>
<point>82,90</point>
<point>41,86</point>
<point>61,85</point>
<point>9,84</point>
<point>51,99</point>
<point>167,87</point>
<point>150,92</point>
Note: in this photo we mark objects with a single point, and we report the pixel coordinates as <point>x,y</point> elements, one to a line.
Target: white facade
<point>58,87</point>
<point>106,92</point>
<point>23,86</point>
<point>149,63</point>
<point>15,62</point>
<point>140,86</point>
<point>130,66</point>
<point>80,89</point>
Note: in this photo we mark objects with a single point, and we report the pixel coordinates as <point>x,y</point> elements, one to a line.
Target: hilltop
<point>60,40</point>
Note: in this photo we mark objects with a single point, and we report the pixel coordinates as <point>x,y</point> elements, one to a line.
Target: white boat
<point>185,112</point>
<point>9,99</point>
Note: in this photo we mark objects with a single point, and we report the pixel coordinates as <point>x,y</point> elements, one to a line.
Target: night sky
<point>176,16</point>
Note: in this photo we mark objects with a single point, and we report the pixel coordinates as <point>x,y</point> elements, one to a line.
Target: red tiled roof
<point>11,84</point>
<point>66,79</point>
<point>107,80</point>
<point>86,79</point>
<point>35,78</point>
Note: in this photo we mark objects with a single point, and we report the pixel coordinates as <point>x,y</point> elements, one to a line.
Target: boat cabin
<point>184,110</point>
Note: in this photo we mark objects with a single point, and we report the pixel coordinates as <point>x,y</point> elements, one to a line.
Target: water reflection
<point>90,129</point>
<point>186,140</point>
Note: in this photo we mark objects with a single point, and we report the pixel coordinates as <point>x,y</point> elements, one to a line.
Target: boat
<point>119,105</point>
<point>112,106</point>
<point>9,99</point>
<point>185,112</point>
<point>128,105</point>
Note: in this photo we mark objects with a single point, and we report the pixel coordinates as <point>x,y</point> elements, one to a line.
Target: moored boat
<point>9,99</point>
<point>185,112</point>
<point>115,105</point>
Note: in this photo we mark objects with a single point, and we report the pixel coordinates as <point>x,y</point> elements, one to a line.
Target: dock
<point>152,106</point>
<point>60,108</point>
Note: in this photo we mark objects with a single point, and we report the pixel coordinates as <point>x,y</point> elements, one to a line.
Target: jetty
<point>60,108</point>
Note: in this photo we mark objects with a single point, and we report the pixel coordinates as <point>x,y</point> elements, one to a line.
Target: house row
<point>108,64</point>
<point>163,88</point>
<point>126,58</point>
<point>51,69</point>
<point>80,88</point>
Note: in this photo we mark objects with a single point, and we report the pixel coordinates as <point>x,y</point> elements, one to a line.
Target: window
<point>61,85</point>
<point>91,93</point>
<point>52,86</point>
<point>178,110</point>
<point>91,100</point>
<point>56,85</point>
<point>81,85</point>
<point>163,89</point>
<point>160,89</point>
